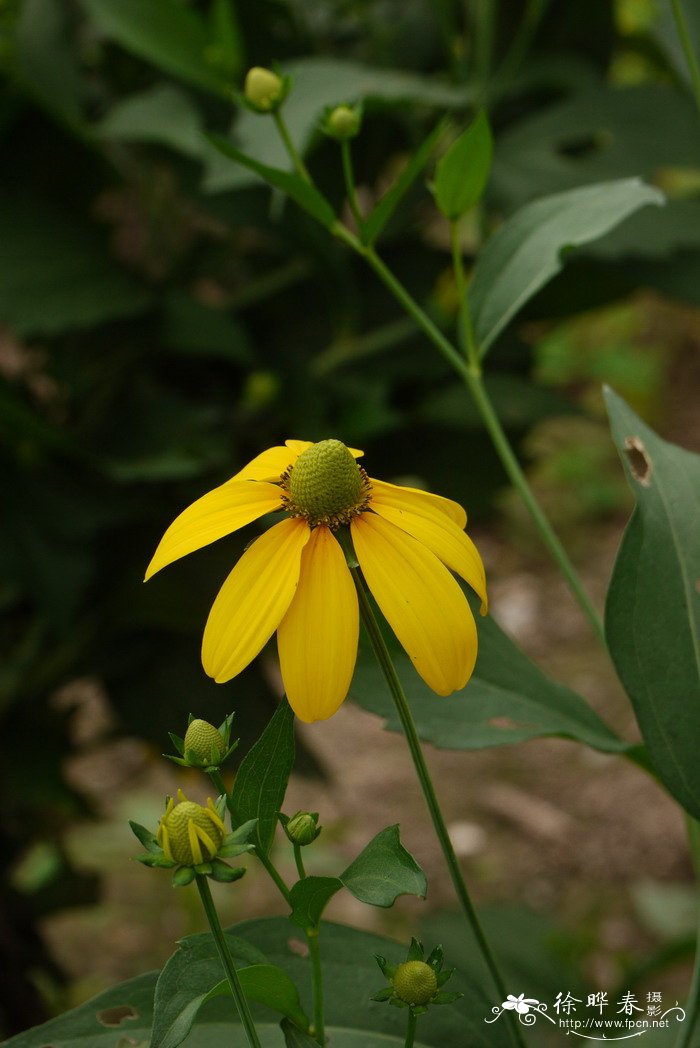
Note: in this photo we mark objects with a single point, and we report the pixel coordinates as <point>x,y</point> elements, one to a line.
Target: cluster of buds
<point>191,839</point>
<point>264,92</point>
<point>416,983</point>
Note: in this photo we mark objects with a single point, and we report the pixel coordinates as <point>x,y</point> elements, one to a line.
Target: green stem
<point>693,1005</point>
<point>317,978</point>
<point>465,326</point>
<point>299,165</point>
<point>483,20</point>
<point>349,177</point>
<point>411,1029</point>
<point>227,962</point>
<point>687,45</point>
<point>470,372</point>
<point>299,861</point>
<point>532,16</point>
<point>407,723</point>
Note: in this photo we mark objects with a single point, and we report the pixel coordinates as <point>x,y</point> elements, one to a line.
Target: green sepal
<point>203,869</point>
<point>388,970</point>
<point>158,862</point>
<point>230,851</point>
<point>225,874</point>
<point>418,1009</point>
<point>148,839</point>
<point>183,876</point>
<point>177,742</point>
<point>444,976</point>
<point>446,998</point>
<point>382,995</point>
<point>397,1002</point>
<point>242,833</point>
<point>415,951</point>
<point>436,959</point>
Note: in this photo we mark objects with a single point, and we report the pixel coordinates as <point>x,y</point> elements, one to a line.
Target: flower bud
<point>264,90</point>
<point>343,122</point>
<point>205,742</point>
<point>303,828</point>
<point>188,833</point>
<point>415,982</point>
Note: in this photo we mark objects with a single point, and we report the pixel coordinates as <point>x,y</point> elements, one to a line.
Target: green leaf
<point>47,62</point>
<point>261,782</point>
<point>269,985</point>
<point>527,251</point>
<point>462,173</point>
<point>147,838</point>
<point>169,35</point>
<point>296,1038</point>
<point>55,274</point>
<point>163,114</point>
<point>384,870</point>
<point>507,700</point>
<point>304,194</point>
<point>652,619</point>
<point>309,898</point>
<point>381,214</point>
<point>350,978</point>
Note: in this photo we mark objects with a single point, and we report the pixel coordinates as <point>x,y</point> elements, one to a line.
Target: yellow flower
<point>294,578</point>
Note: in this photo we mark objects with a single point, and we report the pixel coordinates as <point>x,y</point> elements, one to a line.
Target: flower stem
<point>407,723</point>
<point>349,177</point>
<point>227,962</point>
<point>470,372</point>
<point>687,45</point>
<point>299,165</point>
<point>411,1029</point>
<point>693,1004</point>
<point>299,861</point>
<point>317,982</point>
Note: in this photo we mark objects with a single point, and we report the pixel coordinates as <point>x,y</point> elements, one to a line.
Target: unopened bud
<point>343,122</point>
<point>415,982</point>
<point>303,828</point>
<point>264,90</point>
<point>205,742</point>
<point>188,833</point>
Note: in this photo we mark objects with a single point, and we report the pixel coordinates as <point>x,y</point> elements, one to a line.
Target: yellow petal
<point>418,497</point>
<point>218,513</point>
<point>420,600</point>
<point>436,531</point>
<point>270,464</point>
<point>317,638</point>
<point>253,600</point>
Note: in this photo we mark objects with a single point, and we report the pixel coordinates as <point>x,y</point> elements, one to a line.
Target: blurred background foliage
<point>164,317</point>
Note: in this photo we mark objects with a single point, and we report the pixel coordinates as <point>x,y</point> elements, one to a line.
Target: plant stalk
<point>317,982</point>
<point>409,728</point>
<point>349,177</point>
<point>693,1005</point>
<point>411,1029</point>
<point>687,45</point>
<point>294,155</point>
<point>227,962</point>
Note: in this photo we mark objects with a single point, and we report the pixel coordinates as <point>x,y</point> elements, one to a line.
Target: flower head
<point>416,983</point>
<point>203,746</point>
<point>295,579</point>
<point>264,91</point>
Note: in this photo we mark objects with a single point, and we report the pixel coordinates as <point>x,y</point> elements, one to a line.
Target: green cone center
<point>177,823</point>
<point>415,982</point>
<point>326,485</point>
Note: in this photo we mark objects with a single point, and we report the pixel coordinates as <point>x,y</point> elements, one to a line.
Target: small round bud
<point>205,741</point>
<point>414,982</point>
<point>343,122</point>
<point>188,833</point>
<point>263,89</point>
<point>302,828</point>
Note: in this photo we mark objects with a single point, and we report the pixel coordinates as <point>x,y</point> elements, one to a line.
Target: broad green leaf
<point>163,114</point>
<point>169,35</point>
<point>190,328</point>
<point>304,194</point>
<point>309,898</point>
<point>384,870</point>
<point>381,214</point>
<point>652,619</point>
<point>176,1009</point>
<point>507,700</point>
<point>527,251</point>
<point>462,173</point>
<point>261,782</point>
<point>56,275</point>
<point>351,977</point>
<point>321,82</point>
<point>46,60</point>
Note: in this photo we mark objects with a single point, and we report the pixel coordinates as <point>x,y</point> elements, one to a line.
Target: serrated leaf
<point>171,36</point>
<point>508,699</point>
<point>304,194</point>
<point>309,898</point>
<point>652,615</point>
<point>377,220</point>
<point>260,785</point>
<point>527,251</point>
<point>462,173</point>
<point>383,871</point>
